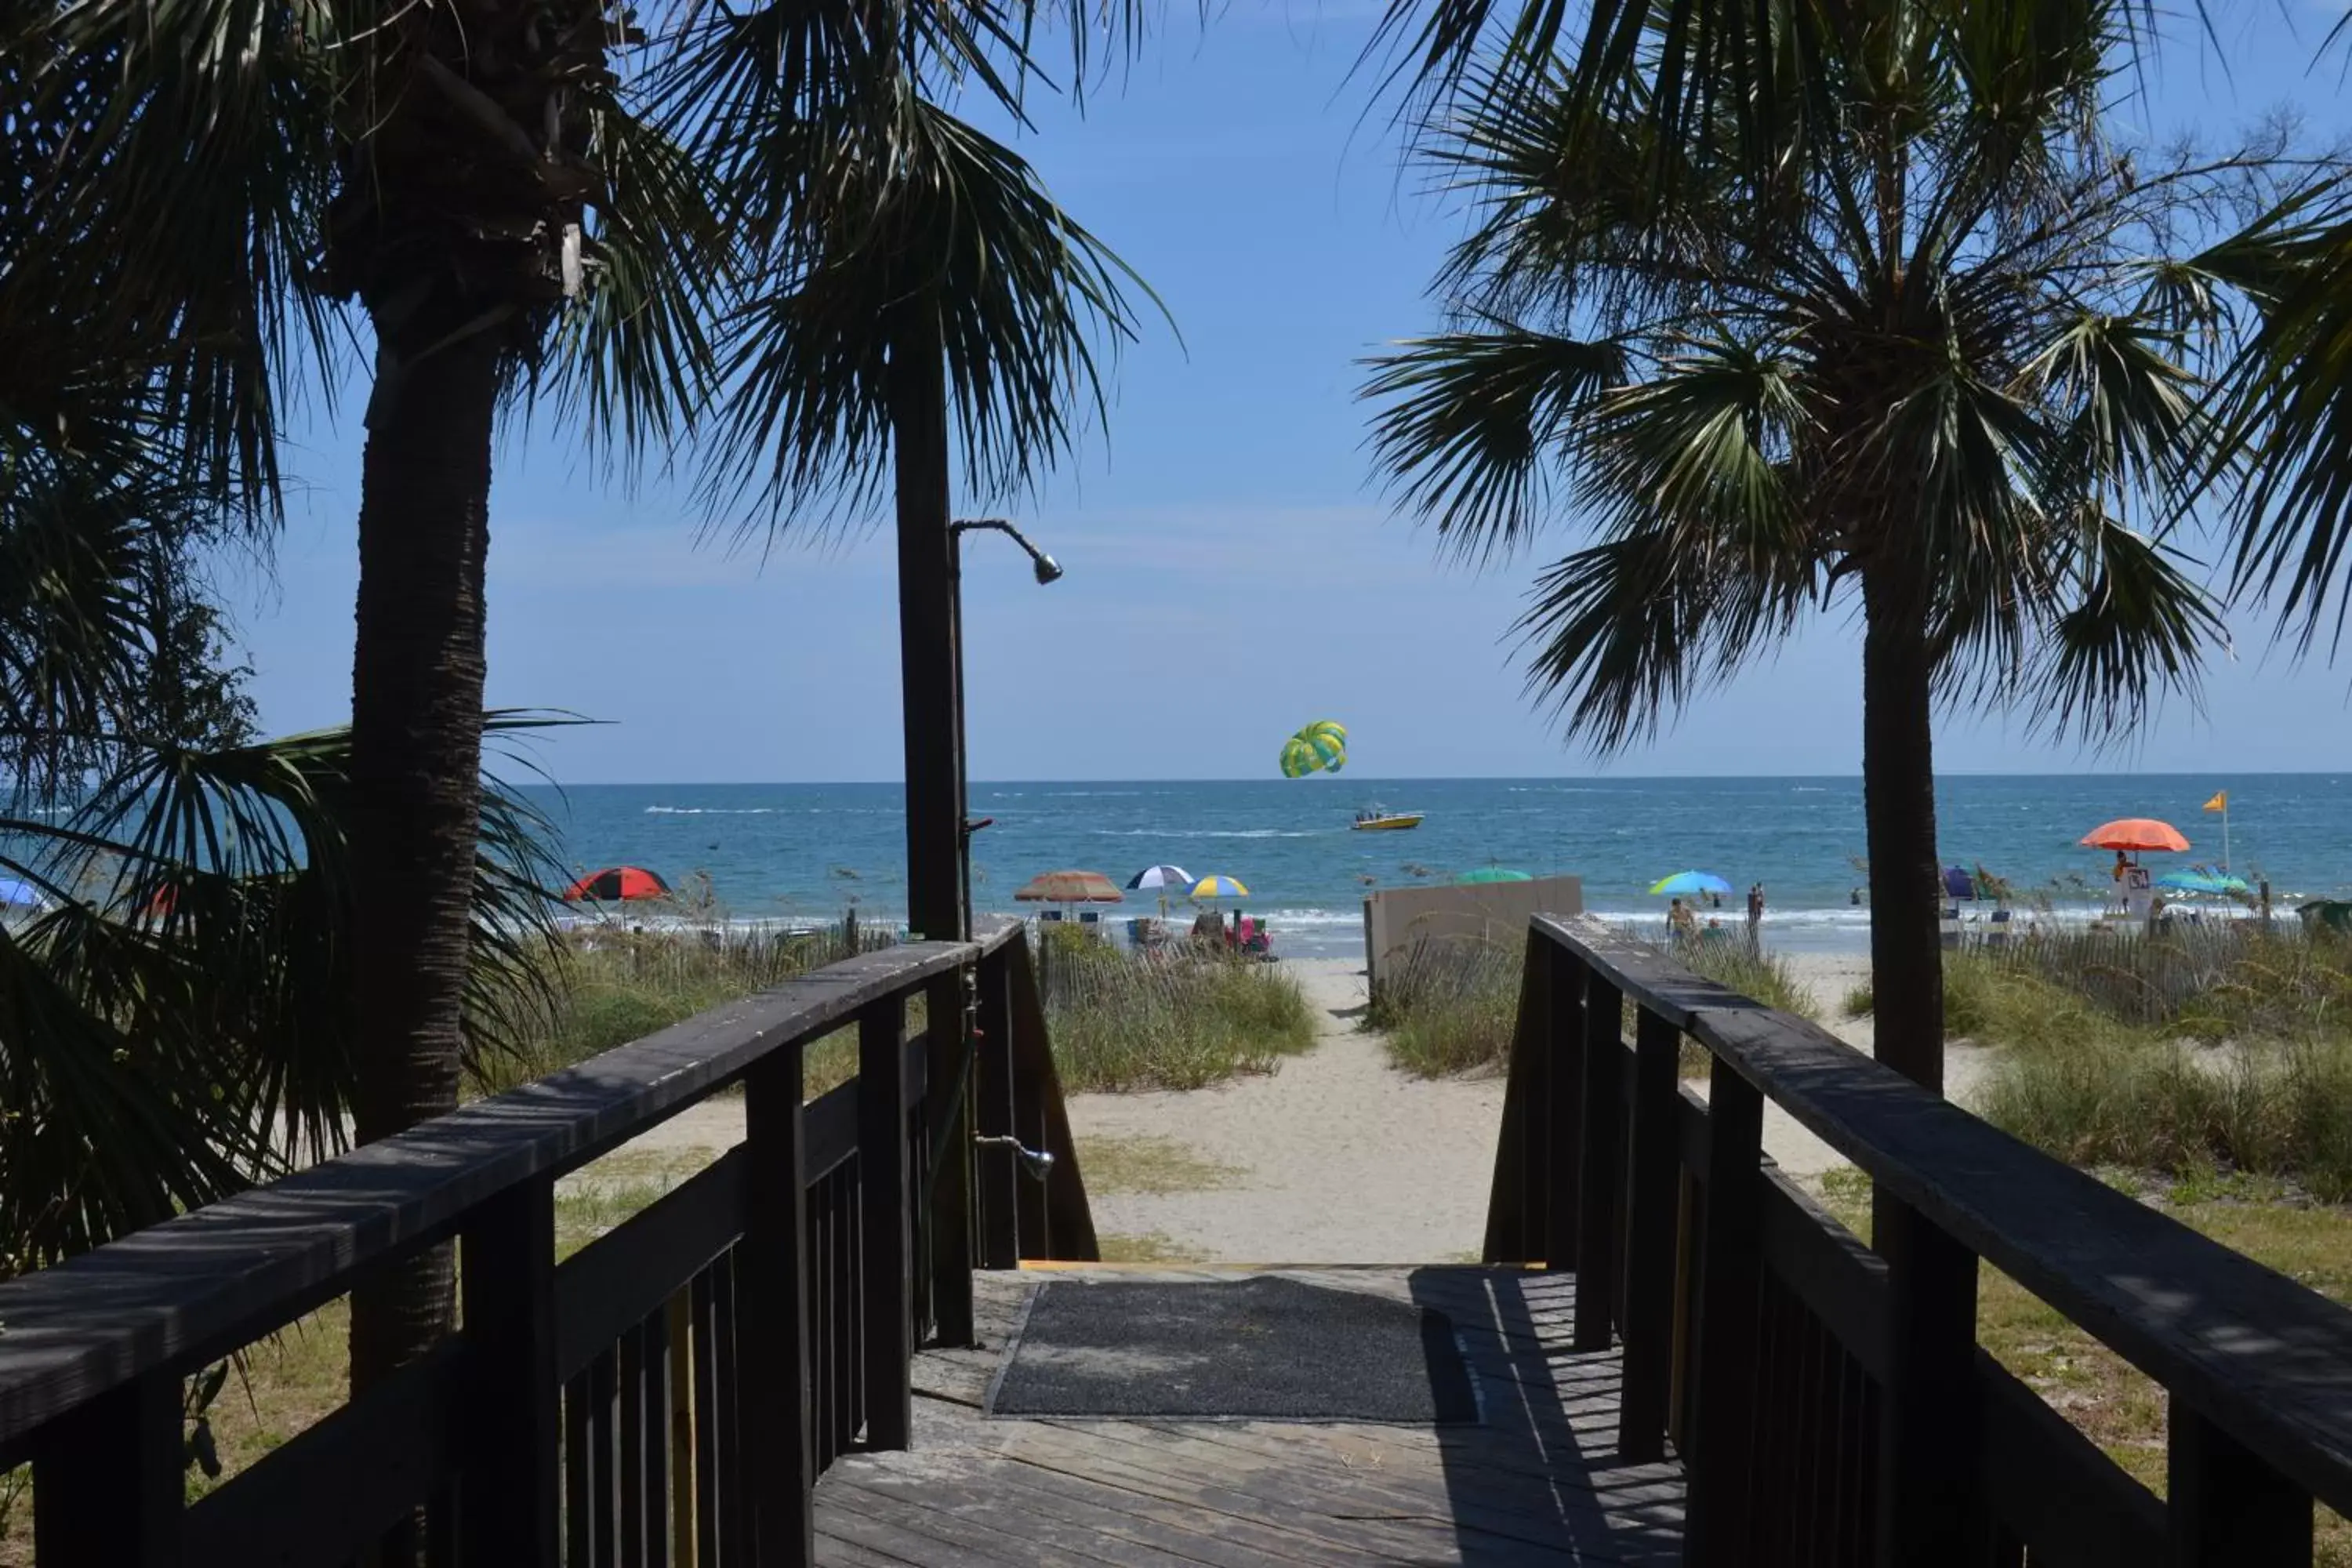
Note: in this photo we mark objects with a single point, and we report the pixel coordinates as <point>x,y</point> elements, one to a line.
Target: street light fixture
<point>1048,570</point>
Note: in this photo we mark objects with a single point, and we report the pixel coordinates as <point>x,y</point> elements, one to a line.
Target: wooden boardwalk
<point>1535,1483</point>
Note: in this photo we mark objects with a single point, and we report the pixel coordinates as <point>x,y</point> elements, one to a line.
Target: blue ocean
<point>806,852</point>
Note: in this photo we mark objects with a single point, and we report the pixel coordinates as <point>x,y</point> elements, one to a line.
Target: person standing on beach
<point>1755,911</point>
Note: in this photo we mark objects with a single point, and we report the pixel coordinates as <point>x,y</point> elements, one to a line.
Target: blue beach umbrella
<point>15,893</point>
<point>1684,883</point>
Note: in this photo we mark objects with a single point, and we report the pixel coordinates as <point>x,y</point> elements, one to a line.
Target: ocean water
<point>804,852</point>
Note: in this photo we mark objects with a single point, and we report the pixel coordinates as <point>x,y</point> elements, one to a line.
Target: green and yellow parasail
<point>1320,747</point>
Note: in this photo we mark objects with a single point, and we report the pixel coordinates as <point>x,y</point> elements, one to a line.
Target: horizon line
<point>2223,775</point>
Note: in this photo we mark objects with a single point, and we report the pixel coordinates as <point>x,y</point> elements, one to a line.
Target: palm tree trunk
<point>416,737</point>
<point>1898,791</point>
<point>926,627</point>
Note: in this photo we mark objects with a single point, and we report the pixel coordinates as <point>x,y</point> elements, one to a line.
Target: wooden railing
<point>669,1394</point>
<point>1830,1400</point>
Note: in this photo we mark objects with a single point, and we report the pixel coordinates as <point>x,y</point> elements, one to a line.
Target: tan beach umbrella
<point>1070,887</point>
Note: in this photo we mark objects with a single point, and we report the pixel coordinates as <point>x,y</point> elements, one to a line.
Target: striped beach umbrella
<point>1219,887</point>
<point>1159,879</point>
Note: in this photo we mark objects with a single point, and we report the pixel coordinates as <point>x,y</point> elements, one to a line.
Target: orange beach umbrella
<point>2136,833</point>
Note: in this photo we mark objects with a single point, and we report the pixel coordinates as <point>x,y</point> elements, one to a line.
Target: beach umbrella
<point>21,895</point>
<point>1070,887</point>
<point>1684,883</point>
<point>1958,883</point>
<point>1491,874</point>
<point>2200,882</point>
<point>1219,887</point>
<point>616,884</point>
<point>1155,878</point>
<point>2136,833</point>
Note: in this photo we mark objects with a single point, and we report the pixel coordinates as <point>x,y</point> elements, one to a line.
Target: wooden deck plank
<point>1536,1482</point>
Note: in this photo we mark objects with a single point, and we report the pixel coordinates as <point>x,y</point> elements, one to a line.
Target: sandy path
<point>1335,1157</point>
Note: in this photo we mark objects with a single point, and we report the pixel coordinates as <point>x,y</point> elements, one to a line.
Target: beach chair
<point>1049,914</point>
<point>1090,917</point>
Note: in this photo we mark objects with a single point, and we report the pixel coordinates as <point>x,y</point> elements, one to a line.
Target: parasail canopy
<point>1320,747</point>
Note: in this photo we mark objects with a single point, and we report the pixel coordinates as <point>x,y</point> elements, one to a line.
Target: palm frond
<point>1473,420</point>
<point>2286,398</point>
<point>2134,632</point>
<point>954,225</point>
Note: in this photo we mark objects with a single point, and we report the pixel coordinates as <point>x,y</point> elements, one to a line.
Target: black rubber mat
<point>1263,1347</point>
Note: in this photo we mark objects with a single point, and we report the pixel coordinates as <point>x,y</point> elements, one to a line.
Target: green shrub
<point>1173,1019</point>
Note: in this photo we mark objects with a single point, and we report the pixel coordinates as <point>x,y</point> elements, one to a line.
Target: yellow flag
<point>2220,801</point>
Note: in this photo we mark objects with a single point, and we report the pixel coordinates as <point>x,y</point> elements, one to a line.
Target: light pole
<point>1048,570</point>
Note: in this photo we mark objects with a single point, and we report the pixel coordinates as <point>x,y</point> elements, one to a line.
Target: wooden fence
<point>664,1397</point>
<point>1830,1400</point>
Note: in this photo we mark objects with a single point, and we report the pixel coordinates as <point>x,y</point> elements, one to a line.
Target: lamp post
<point>1047,570</point>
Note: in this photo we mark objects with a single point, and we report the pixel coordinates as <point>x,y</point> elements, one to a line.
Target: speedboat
<point>1376,819</point>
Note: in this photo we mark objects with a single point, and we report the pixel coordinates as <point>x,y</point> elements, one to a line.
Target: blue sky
<point>1232,571</point>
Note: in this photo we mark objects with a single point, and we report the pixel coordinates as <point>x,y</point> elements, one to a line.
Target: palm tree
<point>912,297</point>
<point>176,1007</point>
<point>1935,359</point>
<point>206,190</point>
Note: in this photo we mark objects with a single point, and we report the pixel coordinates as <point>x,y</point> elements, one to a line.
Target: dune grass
<point>1178,1020</point>
<point>614,987</point>
<point>1450,1007</point>
<point>2194,1052</point>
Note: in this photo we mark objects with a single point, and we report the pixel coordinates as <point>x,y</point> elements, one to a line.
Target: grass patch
<point>614,987</point>
<point>1149,1248</point>
<point>1859,1002</point>
<point>1448,1007</point>
<point>2100,1394</point>
<point>1757,973</point>
<point>1149,1164</point>
<point>2193,1051</point>
<point>1164,1020</point>
<point>1451,1006</point>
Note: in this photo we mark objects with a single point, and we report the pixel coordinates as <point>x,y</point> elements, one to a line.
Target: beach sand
<point>1334,1157</point>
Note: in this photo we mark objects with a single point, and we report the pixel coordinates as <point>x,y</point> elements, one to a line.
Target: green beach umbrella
<point>1491,874</point>
<point>1688,883</point>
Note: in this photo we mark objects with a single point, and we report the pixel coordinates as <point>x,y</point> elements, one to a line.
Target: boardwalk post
<point>106,1480</point>
<point>1601,1165</point>
<point>509,1497</point>
<point>947,1075</point>
<point>1731,1272</point>
<point>1928,1440</point>
<point>996,1168</point>
<point>1562,1050</point>
<point>888,1287</point>
<point>778,1470</point>
<point>1651,1217</point>
<point>2227,1507</point>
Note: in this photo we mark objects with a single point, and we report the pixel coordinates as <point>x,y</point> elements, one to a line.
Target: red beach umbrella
<point>2136,833</point>
<point>616,884</point>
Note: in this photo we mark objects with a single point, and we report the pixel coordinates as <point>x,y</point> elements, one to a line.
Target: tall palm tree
<point>211,188</point>
<point>1933,361</point>
<point>915,304</point>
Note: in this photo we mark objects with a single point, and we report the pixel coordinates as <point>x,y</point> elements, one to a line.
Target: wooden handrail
<point>786,1277</point>
<point>2258,1367</point>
